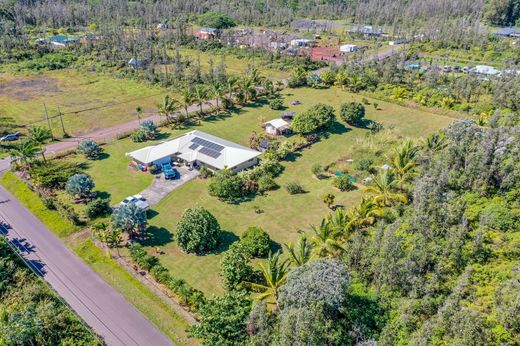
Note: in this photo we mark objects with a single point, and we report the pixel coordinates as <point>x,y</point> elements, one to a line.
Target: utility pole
<point>48,120</point>
<point>61,120</point>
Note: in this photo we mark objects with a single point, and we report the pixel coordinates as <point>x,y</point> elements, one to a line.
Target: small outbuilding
<point>277,127</point>
<point>485,70</point>
<point>206,33</point>
<point>508,32</point>
<point>63,40</point>
<point>301,42</point>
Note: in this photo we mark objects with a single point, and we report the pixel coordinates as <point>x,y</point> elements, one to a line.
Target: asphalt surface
<point>94,300</point>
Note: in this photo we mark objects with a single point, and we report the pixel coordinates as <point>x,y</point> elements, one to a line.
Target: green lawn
<point>146,301</point>
<point>109,100</point>
<point>283,215</point>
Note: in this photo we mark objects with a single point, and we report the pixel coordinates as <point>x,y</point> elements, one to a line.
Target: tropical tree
<point>167,107</point>
<point>326,241</point>
<point>299,253</point>
<point>337,220</point>
<point>247,87</point>
<point>435,142</point>
<point>275,275</point>
<point>40,135</point>
<point>24,152</point>
<point>139,112</point>
<point>79,185</point>
<point>383,189</point>
<point>218,92</point>
<point>90,149</point>
<point>200,94</point>
<point>404,163</point>
<point>187,99</point>
<point>230,87</point>
<point>328,199</point>
<point>341,79</point>
<point>363,215</point>
<point>129,218</point>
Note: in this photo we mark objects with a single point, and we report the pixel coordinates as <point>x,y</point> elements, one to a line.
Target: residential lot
<point>283,215</point>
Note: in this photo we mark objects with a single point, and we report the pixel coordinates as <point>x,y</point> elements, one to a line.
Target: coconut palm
<point>275,275</point>
<point>40,135</point>
<point>299,253</point>
<point>337,220</point>
<point>218,92</point>
<point>435,142</point>
<point>24,152</point>
<point>167,107</point>
<point>187,99</point>
<point>341,79</point>
<point>404,163</point>
<point>246,86</point>
<point>363,215</point>
<point>200,93</point>
<point>326,241</point>
<point>383,189</point>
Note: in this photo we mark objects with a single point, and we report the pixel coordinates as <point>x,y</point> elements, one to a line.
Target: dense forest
<point>30,312</point>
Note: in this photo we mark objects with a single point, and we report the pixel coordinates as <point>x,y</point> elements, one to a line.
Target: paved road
<point>98,303</point>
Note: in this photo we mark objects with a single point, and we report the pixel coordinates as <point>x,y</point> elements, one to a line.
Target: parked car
<point>10,137</point>
<point>138,200</point>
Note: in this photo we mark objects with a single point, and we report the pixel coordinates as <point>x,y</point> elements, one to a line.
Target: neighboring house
<point>508,32</point>
<point>348,48</point>
<point>136,63</point>
<point>301,42</point>
<point>277,127</point>
<point>484,70</point>
<point>367,30</point>
<point>63,40</point>
<point>198,149</point>
<point>88,39</point>
<point>206,33</point>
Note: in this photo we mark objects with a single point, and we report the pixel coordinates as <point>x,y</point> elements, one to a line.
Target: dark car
<point>10,137</point>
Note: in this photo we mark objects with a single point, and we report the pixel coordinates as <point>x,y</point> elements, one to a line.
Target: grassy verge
<point>157,311</point>
<point>52,219</point>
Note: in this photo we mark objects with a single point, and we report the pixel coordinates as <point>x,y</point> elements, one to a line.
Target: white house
<point>485,70</point>
<point>198,149</point>
<point>348,48</point>
<point>301,42</point>
<point>277,127</point>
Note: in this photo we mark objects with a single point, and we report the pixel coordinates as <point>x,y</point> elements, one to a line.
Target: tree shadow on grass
<point>157,236</point>
<point>150,213</point>
<point>337,128</point>
<point>274,246</point>
<point>162,136</point>
<point>226,239</point>
<point>102,156</point>
<point>292,156</point>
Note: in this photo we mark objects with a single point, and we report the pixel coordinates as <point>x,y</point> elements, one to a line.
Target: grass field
<point>157,311</point>
<point>283,215</point>
<point>108,100</point>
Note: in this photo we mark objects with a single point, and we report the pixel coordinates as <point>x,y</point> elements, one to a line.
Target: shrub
<point>205,173</point>
<point>79,185</point>
<point>317,170</point>
<point>352,113</point>
<point>129,218</point>
<point>146,131</point>
<point>328,199</point>
<point>160,274</point>
<point>235,267</point>
<point>266,183</point>
<point>215,20</point>
<point>138,135</point>
<point>294,188</point>
<point>343,183</point>
<point>319,116</point>
<point>52,175</point>
<point>197,231</point>
<point>498,217</point>
<point>256,242</point>
<point>364,164</point>
<point>364,100</point>
<point>227,186</point>
<point>314,80</point>
<point>143,259</point>
<point>49,203</point>
<point>98,207</point>
<point>276,103</point>
<point>90,149</point>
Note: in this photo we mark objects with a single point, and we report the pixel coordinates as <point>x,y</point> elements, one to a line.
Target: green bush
<point>227,186</point>
<point>79,185</point>
<point>498,217</point>
<point>160,274</point>
<point>52,174</point>
<point>276,103</point>
<point>343,183</point>
<point>197,231</point>
<point>138,136</point>
<point>90,149</point>
<point>216,20</point>
<point>53,61</point>
<point>205,173</point>
<point>352,112</point>
<point>294,188</point>
<point>98,207</point>
<point>266,183</point>
<point>256,242</point>
<point>317,117</point>
<point>235,267</point>
<point>364,164</point>
<point>317,170</point>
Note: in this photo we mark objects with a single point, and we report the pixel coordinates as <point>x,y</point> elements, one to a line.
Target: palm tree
<point>230,87</point>
<point>200,94</point>
<point>435,142</point>
<point>337,220</point>
<point>363,215</point>
<point>187,99</point>
<point>404,163</point>
<point>268,86</point>
<point>341,79</point>
<point>275,275</point>
<point>383,189</point>
<point>24,152</point>
<point>40,135</point>
<point>217,91</point>
<point>139,111</point>
<point>326,241</point>
<point>167,107</point>
<point>246,85</point>
<point>300,253</point>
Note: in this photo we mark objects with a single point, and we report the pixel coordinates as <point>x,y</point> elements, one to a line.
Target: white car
<point>138,200</point>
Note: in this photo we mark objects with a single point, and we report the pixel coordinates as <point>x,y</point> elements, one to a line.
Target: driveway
<point>93,299</point>
<point>161,187</point>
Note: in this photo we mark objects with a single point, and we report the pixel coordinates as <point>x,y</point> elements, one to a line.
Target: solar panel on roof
<point>209,152</point>
<point>194,146</point>
<point>208,144</point>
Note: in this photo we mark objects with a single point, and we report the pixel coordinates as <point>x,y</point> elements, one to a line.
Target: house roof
<point>507,32</point>
<point>278,123</point>
<point>62,38</point>
<point>200,146</point>
<point>485,69</point>
<point>208,30</point>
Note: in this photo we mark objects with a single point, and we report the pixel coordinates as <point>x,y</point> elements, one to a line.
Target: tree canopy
<point>198,231</point>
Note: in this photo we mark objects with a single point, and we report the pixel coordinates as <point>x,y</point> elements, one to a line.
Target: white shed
<point>348,48</point>
<point>277,127</point>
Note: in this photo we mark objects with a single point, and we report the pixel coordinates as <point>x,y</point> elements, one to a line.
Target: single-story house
<point>206,33</point>
<point>277,127</point>
<point>348,48</point>
<point>198,149</point>
<point>508,32</point>
<point>301,42</point>
<point>367,30</point>
<point>63,40</point>
<point>485,70</point>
